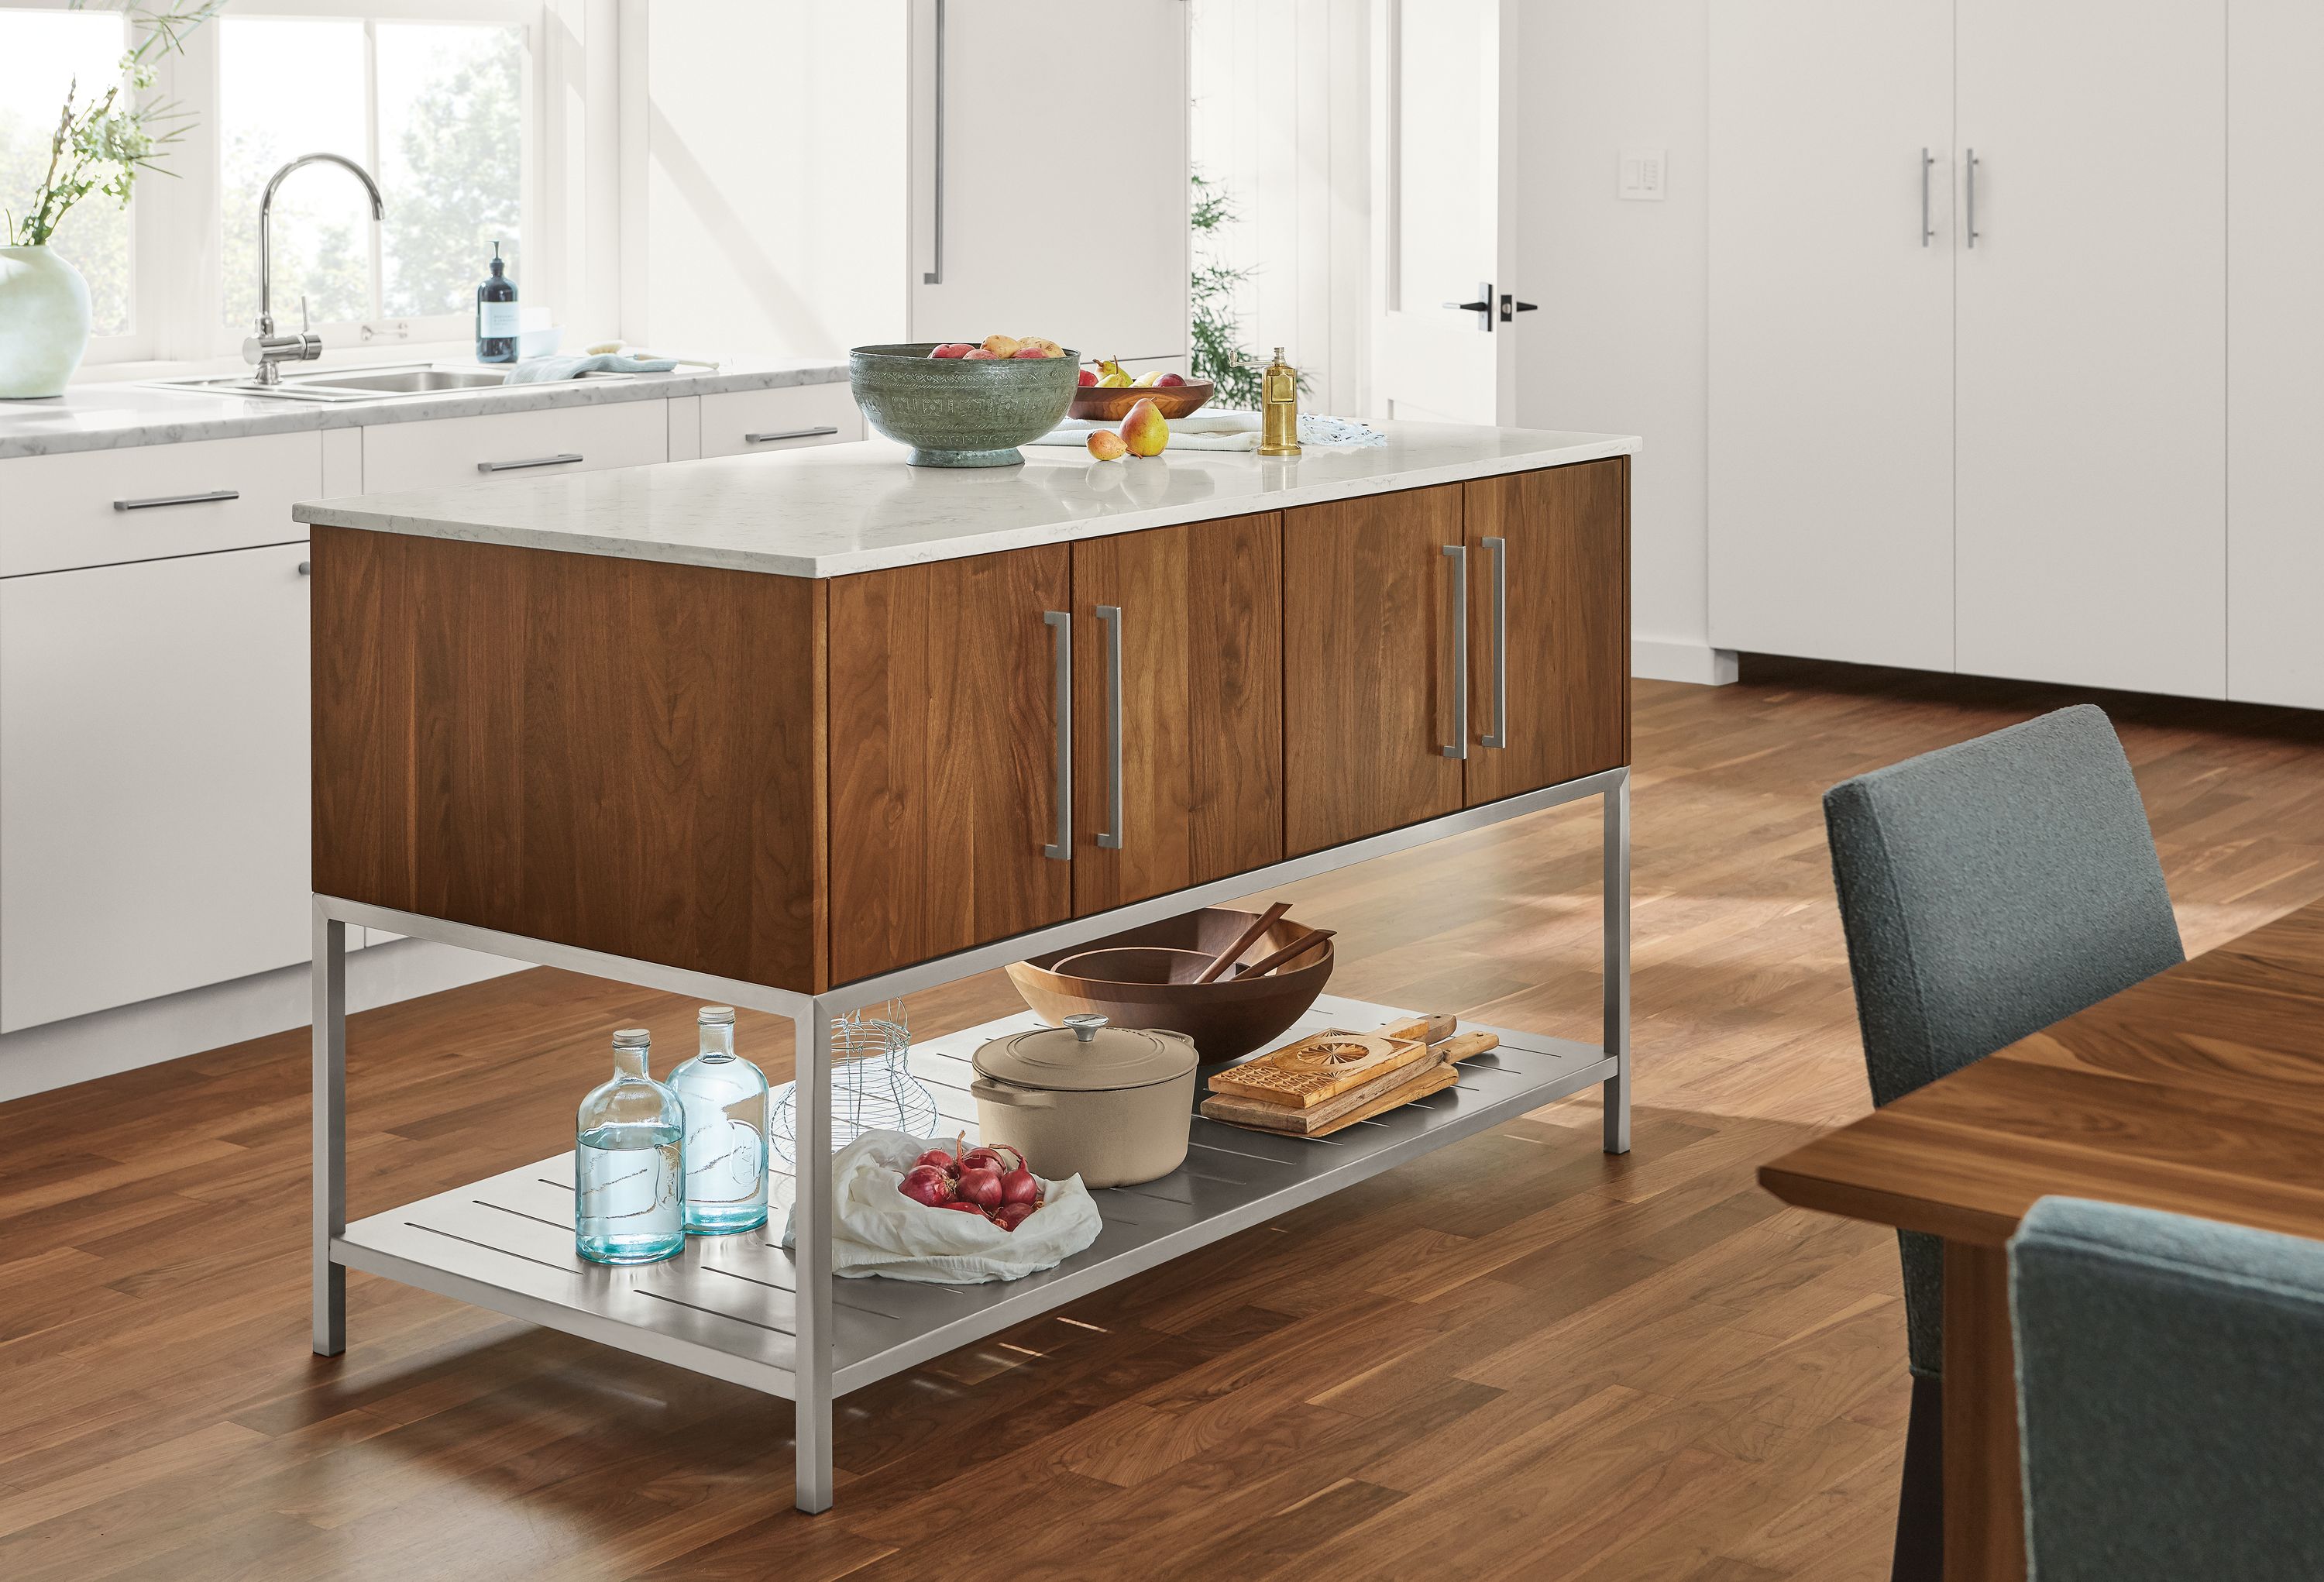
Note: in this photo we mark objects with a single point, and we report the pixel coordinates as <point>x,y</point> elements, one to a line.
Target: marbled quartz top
<point>838,509</point>
<point>117,416</point>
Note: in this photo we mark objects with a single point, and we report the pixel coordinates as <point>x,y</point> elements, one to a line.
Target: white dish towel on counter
<point>1229,431</point>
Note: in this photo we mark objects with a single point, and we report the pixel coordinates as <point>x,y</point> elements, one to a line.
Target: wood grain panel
<point>1366,706</point>
<point>1201,703</point>
<point>943,756</point>
<point>618,754</point>
<point>1984,1507</point>
<point>1568,545</point>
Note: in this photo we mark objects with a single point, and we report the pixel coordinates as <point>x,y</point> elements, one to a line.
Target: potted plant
<point>99,146</point>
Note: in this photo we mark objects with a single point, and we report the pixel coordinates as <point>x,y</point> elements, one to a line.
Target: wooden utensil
<point>1243,941</point>
<point>1268,963</point>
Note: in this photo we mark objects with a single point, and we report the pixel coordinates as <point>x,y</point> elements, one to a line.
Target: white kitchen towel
<point>1231,430</point>
<point>876,1229</point>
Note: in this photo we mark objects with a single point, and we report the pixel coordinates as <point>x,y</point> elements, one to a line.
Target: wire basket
<point>871,1090</point>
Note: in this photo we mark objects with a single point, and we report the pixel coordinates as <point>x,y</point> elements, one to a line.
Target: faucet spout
<point>267,349</point>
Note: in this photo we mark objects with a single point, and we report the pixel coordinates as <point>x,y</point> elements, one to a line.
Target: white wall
<point>1281,118</point>
<point>1619,341</point>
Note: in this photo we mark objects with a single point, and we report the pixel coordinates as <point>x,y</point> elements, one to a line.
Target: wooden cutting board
<point>1419,1082</point>
<point>1311,1120</point>
<point>1324,1065</point>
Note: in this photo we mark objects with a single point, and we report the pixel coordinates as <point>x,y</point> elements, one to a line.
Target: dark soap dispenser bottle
<point>496,315</point>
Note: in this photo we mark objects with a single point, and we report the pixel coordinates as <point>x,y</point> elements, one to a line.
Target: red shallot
<point>928,1184</point>
<point>981,1186</point>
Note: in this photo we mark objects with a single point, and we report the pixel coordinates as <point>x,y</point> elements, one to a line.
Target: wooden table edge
<point>1854,1200</point>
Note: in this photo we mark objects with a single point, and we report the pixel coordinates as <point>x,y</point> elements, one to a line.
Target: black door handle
<point>1482,307</point>
<point>1511,308</point>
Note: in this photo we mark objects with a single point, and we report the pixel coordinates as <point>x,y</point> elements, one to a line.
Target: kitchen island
<point>806,732</point>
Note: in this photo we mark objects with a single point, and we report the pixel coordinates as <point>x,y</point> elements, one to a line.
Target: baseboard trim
<point>58,1054</point>
<point>1654,660</point>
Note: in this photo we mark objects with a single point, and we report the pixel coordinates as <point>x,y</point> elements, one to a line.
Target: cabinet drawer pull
<point>934,276</point>
<point>1459,555</point>
<point>204,498</point>
<point>1499,736</point>
<point>1062,849</point>
<point>306,568</point>
<point>1110,836</point>
<point>820,429</point>
<point>568,457</point>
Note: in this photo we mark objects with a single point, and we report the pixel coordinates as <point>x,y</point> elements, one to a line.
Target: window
<point>41,54</point>
<point>436,98</point>
<point>436,111</point>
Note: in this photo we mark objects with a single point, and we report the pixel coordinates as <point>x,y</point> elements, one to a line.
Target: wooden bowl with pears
<point>1107,402</point>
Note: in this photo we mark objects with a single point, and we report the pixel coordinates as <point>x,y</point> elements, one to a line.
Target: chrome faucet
<point>267,349</point>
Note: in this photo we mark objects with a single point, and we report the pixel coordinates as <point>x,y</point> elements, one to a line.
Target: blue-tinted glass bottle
<point>629,1167</point>
<point>725,1100</point>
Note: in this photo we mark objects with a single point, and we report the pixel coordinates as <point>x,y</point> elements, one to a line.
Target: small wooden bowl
<point>1227,1018</point>
<point>1098,405</point>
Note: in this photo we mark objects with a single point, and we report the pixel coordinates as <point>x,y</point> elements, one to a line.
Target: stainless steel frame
<point>717,1310</point>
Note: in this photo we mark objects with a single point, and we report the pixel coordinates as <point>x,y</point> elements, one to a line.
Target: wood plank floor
<point>1515,1357</point>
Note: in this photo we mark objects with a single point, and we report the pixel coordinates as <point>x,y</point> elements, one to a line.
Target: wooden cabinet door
<point>1193,707</point>
<point>1366,668</point>
<point>1553,547</point>
<point>153,734</point>
<point>944,757</point>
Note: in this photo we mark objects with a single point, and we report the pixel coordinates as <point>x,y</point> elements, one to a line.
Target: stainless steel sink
<point>355,384</point>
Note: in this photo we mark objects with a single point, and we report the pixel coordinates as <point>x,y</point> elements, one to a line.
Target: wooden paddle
<point>1269,962</point>
<point>1243,941</point>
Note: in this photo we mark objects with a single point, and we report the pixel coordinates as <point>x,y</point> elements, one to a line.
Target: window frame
<point>177,229</point>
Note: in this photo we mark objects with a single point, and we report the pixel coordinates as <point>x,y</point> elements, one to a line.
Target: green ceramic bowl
<point>958,413</point>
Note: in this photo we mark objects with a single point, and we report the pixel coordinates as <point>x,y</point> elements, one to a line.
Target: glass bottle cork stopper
<point>716,1016</point>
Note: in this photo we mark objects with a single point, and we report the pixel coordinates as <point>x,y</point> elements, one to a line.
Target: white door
<point>1049,179</point>
<point>153,777</point>
<point>1831,315</point>
<point>2275,353</point>
<point>1444,173</point>
<point>2091,470</point>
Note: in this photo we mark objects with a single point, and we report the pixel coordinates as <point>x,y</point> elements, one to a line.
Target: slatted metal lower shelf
<point>724,1306</point>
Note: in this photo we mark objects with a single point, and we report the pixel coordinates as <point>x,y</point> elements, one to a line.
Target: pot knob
<point>1085,1024</point>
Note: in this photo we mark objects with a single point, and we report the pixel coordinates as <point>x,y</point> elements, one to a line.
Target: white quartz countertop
<point>839,509</point>
<point>115,416</point>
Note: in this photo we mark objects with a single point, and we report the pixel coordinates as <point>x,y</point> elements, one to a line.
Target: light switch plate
<point>1644,173</point>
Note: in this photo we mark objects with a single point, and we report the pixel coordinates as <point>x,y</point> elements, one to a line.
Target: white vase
<point>44,322</point>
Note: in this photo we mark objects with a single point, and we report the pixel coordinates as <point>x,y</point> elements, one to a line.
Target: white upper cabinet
<point>2092,342</point>
<point>1831,329</point>
<point>1048,188</point>
<point>2276,353</point>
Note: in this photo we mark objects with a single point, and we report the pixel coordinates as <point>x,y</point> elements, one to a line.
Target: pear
<point>1117,380</point>
<point>1002,346</point>
<point>1106,444</point>
<point>1144,431</point>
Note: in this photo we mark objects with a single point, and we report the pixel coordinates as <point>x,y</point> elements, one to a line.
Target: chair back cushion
<point>1987,891</point>
<point>2170,1396</point>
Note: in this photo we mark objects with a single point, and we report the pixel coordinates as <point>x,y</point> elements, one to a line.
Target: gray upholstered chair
<point>2171,1396</point>
<point>1987,890</point>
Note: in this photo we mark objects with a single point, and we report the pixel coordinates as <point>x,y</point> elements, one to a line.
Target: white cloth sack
<point>876,1229</point>
<point>1212,428</point>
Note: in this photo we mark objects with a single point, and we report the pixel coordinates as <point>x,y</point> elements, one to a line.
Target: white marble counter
<point>838,509</point>
<point>114,416</point>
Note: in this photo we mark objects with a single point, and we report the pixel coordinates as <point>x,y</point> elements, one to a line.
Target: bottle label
<point>496,320</point>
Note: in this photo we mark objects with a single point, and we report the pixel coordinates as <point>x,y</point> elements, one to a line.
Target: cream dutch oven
<point>1110,1105</point>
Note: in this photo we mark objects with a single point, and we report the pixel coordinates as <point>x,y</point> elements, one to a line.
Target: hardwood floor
<point>1513,1357</point>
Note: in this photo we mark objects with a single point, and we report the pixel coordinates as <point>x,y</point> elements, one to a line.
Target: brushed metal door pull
<point>1459,555</point>
<point>201,499</point>
<point>1109,837</point>
<point>1062,849</point>
<point>569,457</point>
<point>789,434</point>
<point>935,276</point>
<point>1499,736</point>
<point>1972,197</point>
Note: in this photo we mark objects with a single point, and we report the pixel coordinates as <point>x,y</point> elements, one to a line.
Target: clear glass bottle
<point>629,1197</point>
<point>725,1100</point>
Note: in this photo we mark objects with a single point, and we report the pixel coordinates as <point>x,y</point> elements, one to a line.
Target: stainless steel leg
<point>1618,965</point>
<point>330,1106</point>
<point>811,1254</point>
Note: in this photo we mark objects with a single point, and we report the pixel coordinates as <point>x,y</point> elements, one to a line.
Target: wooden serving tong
<point>1243,941</point>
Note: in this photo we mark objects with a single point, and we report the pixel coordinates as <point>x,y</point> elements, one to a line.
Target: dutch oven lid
<point>1086,1056</point>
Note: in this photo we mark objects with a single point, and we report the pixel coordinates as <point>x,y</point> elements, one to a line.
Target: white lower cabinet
<point>445,452</point>
<point>741,423</point>
<point>153,774</point>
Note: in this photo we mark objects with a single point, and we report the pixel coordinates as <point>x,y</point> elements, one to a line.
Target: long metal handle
<point>1499,736</point>
<point>935,276</point>
<point>1459,555</point>
<point>1927,232</point>
<point>1063,848</point>
<point>570,456</point>
<point>789,434</point>
<point>200,499</point>
<point>1972,197</point>
<point>1110,836</point>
